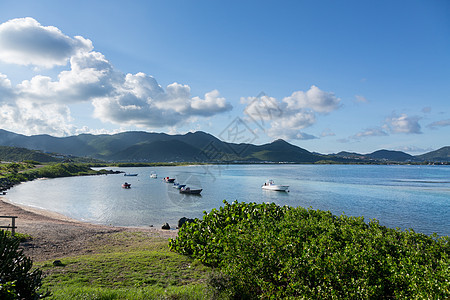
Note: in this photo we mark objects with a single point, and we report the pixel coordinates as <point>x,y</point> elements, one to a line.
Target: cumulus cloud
<point>441,123</point>
<point>403,124</point>
<point>395,124</point>
<point>370,132</point>
<point>123,99</point>
<point>314,99</point>
<point>289,133</point>
<point>24,41</point>
<point>141,101</point>
<point>292,114</point>
<point>32,119</point>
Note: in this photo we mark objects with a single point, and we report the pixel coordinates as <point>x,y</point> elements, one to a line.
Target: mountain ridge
<point>195,146</point>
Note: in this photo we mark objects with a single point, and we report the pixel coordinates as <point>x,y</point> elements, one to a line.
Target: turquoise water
<point>416,197</point>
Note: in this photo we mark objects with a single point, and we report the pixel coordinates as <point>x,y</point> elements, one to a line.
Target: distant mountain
<point>158,151</point>
<point>353,155</point>
<point>441,155</point>
<point>159,147</point>
<point>199,146</point>
<point>389,155</point>
<point>279,151</point>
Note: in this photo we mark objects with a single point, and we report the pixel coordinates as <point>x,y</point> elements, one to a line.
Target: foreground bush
<point>17,280</point>
<point>268,251</point>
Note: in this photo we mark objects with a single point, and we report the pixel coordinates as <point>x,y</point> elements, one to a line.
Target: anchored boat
<point>271,186</point>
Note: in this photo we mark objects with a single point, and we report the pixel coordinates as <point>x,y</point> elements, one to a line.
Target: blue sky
<point>327,76</point>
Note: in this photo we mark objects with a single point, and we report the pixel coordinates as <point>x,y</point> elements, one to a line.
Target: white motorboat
<point>153,175</point>
<point>271,186</point>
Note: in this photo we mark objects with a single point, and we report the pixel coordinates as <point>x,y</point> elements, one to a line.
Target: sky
<point>327,76</point>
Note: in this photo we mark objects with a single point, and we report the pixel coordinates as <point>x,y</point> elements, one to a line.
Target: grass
<point>127,265</point>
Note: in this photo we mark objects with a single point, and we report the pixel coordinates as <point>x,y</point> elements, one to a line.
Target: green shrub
<point>268,251</point>
<point>17,279</point>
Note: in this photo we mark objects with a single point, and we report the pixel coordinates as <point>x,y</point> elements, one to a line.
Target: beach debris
<point>58,263</point>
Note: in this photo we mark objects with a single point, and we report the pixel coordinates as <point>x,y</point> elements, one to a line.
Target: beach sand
<point>55,236</point>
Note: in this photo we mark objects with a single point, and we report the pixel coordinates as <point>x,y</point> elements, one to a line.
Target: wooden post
<point>13,229</point>
<point>13,224</point>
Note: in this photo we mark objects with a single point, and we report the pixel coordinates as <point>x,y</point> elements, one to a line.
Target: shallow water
<point>416,197</point>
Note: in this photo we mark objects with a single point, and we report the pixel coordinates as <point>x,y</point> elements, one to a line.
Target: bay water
<point>416,197</point>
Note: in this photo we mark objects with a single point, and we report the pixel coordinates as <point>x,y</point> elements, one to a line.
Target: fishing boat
<point>126,185</point>
<point>130,174</point>
<point>271,186</point>
<point>169,180</point>
<point>176,185</point>
<point>188,190</point>
<point>153,175</point>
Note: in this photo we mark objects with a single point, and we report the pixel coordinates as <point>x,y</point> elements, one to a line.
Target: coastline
<point>55,235</point>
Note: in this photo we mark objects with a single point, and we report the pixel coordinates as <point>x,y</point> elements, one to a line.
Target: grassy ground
<point>126,265</point>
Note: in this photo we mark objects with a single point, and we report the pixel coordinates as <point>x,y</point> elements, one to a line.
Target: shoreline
<point>55,236</point>
<point>40,211</point>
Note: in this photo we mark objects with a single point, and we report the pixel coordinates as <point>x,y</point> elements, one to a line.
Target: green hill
<point>21,154</point>
<point>440,155</point>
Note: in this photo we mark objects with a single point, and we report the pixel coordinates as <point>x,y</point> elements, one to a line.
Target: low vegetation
<point>17,278</point>
<point>14,173</point>
<point>272,252</point>
<point>127,265</point>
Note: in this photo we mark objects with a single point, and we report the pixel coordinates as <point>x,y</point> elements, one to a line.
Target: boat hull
<point>276,187</point>
<point>192,192</point>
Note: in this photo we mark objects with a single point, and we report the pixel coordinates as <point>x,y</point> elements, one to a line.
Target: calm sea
<point>416,197</point>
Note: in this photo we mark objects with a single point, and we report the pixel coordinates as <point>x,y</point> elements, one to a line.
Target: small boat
<point>153,175</point>
<point>176,185</point>
<point>130,174</point>
<point>126,185</point>
<point>271,186</point>
<point>170,180</point>
<point>188,190</point>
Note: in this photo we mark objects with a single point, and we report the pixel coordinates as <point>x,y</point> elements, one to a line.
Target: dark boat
<point>126,185</point>
<point>188,190</point>
<point>170,180</point>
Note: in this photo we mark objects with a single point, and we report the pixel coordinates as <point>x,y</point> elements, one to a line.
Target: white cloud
<point>315,99</point>
<point>292,114</point>
<point>441,123</point>
<point>24,41</point>
<point>289,133</point>
<point>403,124</point>
<point>140,101</point>
<point>34,119</point>
<point>6,91</point>
<point>211,105</point>
<point>370,132</point>
<point>123,99</point>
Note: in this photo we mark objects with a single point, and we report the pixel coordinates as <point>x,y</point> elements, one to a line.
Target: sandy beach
<point>55,236</point>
